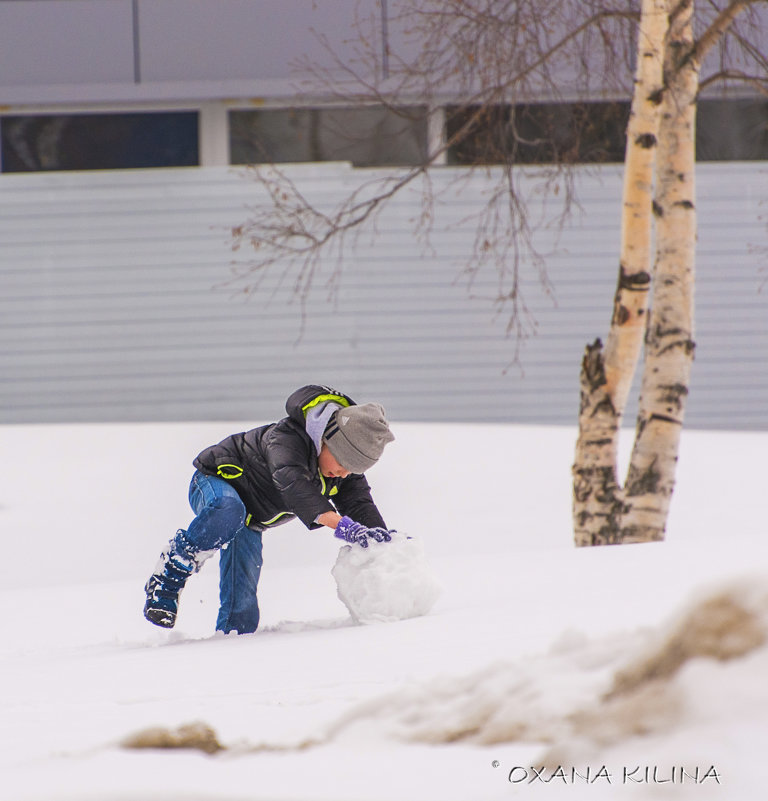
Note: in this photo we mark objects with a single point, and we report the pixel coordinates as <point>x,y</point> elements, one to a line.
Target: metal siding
<point>225,40</point>
<point>117,304</point>
<point>52,43</point>
<point>97,51</point>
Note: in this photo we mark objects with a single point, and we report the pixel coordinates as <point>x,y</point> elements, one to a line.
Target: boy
<point>309,466</point>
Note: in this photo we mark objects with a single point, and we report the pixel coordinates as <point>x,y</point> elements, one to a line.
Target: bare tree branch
<point>477,56</point>
<point>757,83</point>
<point>495,50</point>
<point>717,29</point>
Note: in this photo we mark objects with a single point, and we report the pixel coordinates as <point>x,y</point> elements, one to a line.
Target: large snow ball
<point>386,581</point>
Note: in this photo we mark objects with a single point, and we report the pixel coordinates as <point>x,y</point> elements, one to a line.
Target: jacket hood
<point>312,407</point>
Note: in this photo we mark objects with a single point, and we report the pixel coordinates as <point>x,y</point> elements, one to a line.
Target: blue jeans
<point>220,524</point>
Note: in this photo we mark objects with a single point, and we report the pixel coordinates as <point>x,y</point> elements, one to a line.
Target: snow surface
<point>511,669</point>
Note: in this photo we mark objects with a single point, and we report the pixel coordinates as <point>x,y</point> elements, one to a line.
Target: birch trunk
<point>625,339</point>
<point>669,343</point>
<point>604,512</point>
<point>606,375</point>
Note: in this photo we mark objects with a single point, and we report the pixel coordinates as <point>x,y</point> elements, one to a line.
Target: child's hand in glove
<point>380,534</point>
<point>349,531</point>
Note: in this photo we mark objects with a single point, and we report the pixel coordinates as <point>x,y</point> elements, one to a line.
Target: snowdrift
<point>535,661</point>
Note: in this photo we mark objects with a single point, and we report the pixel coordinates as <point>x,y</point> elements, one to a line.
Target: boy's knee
<point>217,523</point>
<point>231,509</point>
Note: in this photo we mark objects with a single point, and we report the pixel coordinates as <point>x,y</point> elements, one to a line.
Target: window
<point>732,130</point>
<point>539,133</point>
<point>594,133</point>
<point>32,143</point>
<point>370,136</point>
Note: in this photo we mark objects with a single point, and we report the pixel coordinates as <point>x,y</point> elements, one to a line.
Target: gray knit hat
<point>356,436</point>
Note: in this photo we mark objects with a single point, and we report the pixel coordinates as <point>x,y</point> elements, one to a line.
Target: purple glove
<point>380,534</point>
<point>349,531</point>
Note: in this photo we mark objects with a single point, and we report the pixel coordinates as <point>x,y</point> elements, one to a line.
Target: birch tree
<point>604,511</point>
<point>483,54</point>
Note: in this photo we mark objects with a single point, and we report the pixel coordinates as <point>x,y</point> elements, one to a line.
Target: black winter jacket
<point>275,471</point>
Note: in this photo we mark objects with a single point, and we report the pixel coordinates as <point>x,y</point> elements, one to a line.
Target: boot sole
<point>160,617</point>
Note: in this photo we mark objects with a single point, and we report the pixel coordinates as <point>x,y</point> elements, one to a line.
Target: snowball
<point>386,581</point>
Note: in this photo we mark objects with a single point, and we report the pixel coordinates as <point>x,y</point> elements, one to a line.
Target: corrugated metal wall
<point>115,304</point>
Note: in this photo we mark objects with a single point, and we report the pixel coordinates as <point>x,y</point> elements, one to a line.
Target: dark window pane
<point>375,136</point>
<point>594,133</point>
<point>538,133</point>
<point>732,130</point>
<point>99,141</point>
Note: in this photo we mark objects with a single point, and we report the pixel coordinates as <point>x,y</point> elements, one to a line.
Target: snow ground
<point>458,705</point>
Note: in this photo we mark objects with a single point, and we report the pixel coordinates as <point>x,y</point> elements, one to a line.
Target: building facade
<point>122,300</point>
<point>119,186</point>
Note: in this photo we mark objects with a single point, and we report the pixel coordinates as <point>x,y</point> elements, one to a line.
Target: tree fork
<point>599,503</point>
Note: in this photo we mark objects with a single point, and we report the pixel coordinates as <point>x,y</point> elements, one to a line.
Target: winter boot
<point>177,563</point>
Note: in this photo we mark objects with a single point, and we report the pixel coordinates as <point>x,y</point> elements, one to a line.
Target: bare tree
<point>484,60</point>
<point>605,512</point>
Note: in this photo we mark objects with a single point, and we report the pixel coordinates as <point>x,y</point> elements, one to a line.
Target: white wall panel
<point>116,304</point>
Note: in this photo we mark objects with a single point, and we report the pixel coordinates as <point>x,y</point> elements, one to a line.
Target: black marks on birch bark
<point>634,282</point>
<point>643,482</point>
<point>628,282</point>
<point>646,141</point>
<point>593,366</point>
<point>673,397</point>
